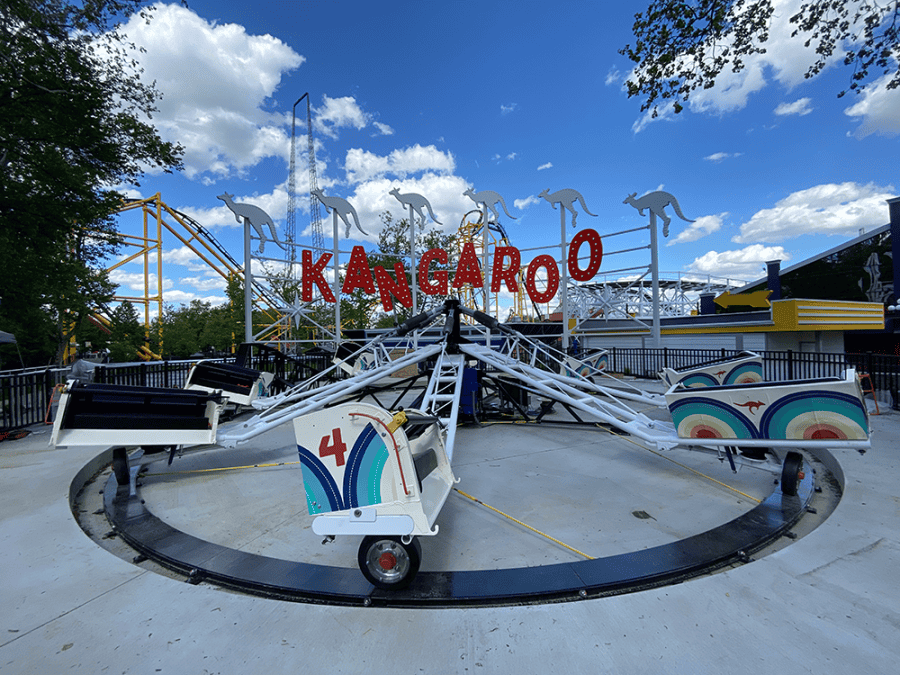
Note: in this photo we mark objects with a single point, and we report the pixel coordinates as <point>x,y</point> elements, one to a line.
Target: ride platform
<point>825,602</point>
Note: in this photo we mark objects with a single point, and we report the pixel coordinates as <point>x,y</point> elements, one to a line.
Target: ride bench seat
<point>103,414</point>
<point>240,385</point>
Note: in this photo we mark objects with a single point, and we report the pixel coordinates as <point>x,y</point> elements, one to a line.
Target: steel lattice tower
<point>314,212</point>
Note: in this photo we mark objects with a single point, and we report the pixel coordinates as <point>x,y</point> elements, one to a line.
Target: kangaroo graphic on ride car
<point>751,406</point>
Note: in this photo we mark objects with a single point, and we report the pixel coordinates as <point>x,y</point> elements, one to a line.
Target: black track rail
<point>200,560</point>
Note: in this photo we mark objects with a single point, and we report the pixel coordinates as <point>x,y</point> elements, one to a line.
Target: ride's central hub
<point>387,561</point>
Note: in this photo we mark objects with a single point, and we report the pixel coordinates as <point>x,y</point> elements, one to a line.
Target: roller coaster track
<point>474,231</point>
<point>195,237</point>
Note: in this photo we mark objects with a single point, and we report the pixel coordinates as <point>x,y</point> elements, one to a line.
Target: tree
<point>683,45</point>
<point>393,246</point>
<point>185,329</point>
<point>74,123</point>
<point>126,333</point>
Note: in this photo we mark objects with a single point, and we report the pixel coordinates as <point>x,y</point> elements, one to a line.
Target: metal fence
<point>883,369</point>
<point>166,374</point>
<point>174,373</point>
<point>26,396</point>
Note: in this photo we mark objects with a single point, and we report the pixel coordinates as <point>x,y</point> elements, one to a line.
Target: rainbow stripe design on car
<point>588,366</point>
<point>801,410</point>
<point>345,460</point>
<point>363,472</point>
<point>745,368</point>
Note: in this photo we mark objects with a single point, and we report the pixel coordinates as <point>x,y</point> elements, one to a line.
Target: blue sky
<point>514,97</point>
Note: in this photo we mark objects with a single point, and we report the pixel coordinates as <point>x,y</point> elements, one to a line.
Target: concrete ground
<point>828,603</point>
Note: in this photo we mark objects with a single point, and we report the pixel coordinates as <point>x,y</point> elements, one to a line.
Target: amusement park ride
<point>384,472</point>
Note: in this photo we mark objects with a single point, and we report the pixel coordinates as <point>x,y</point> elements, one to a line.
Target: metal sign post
<point>412,260</point>
<point>654,276</point>
<point>564,285</point>
<point>656,203</point>
<point>566,199</point>
<point>337,282</point>
<point>248,285</point>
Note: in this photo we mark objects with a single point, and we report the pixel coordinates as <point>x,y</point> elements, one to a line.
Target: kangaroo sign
<point>430,274</point>
<point>505,268</point>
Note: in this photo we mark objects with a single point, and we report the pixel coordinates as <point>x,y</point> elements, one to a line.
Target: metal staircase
<point>442,395</point>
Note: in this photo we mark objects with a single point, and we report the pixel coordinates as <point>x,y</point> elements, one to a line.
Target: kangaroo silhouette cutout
<point>253,215</point>
<point>341,207</point>
<point>657,202</point>
<point>416,202</point>
<point>566,198</point>
<point>489,198</point>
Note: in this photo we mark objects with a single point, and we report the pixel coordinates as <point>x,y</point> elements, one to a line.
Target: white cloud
<point>362,165</point>
<point>786,59</point>
<point>512,155</point>
<point>134,281</point>
<point>205,284</point>
<point>181,297</point>
<point>185,257</point>
<point>832,208</point>
<point>548,165</point>
<point>216,81</point>
<point>799,107</point>
<point>383,129</point>
<point>523,204</point>
<point>662,115</point>
<point>273,203</point>
<point>129,192</point>
<point>732,90</point>
<point>613,77</point>
<point>700,228</point>
<point>879,108</point>
<point>340,113</point>
<point>717,157</point>
<point>508,108</point>
<point>744,264</point>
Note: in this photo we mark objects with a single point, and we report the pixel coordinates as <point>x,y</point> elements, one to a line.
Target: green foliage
<point>393,246</point>
<point>196,328</point>
<point>126,334</point>
<point>201,327</point>
<point>684,45</point>
<point>90,332</point>
<point>361,310</point>
<point>73,124</point>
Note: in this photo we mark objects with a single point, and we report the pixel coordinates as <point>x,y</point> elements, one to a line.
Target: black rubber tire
<point>790,473</point>
<point>406,559</point>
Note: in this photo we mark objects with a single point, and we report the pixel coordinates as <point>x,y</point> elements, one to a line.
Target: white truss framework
<point>632,298</point>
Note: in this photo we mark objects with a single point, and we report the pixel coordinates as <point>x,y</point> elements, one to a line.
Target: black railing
<point>166,374</point>
<point>175,373</point>
<point>883,369</point>
<point>26,395</point>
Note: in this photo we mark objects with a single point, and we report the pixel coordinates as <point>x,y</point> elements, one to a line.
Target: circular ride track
<point>543,512</point>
